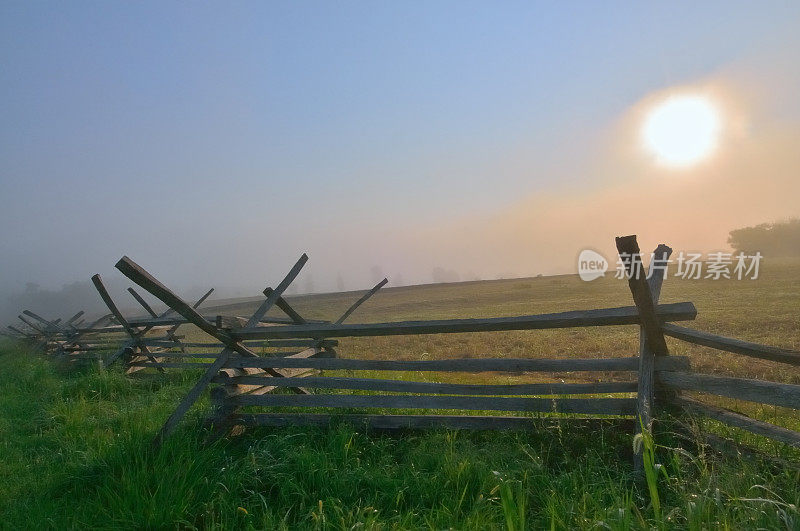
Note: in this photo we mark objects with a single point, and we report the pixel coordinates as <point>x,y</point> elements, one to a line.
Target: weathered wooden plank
<point>87,348</point>
<point>91,330</point>
<point>403,422</point>
<point>101,289</point>
<point>101,326</point>
<point>196,305</point>
<point>399,386</point>
<point>361,301</point>
<point>130,330</point>
<point>178,354</point>
<point>259,314</point>
<point>74,317</point>
<point>277,292</point>
<point>286,308</point>
<point>640,289</point>
<point>169,365</point>
<point>596,406</point>
<point>214,354</point>
<point>320,329</point>
<point>168,341</point>
<point>627,315</point>
<point>738,420</point>
<point>275,343</point>
<point>140,276</point>
<point>737,346</point>
<point>133,271</point>
<point>143,303</point>
<point>18,331</point>
<point>174,328</point>
<point>192,396</point>
<point>646,353</point>
<point>764,392</point>
<point>465,365</point>
<point>170,332</point>
<point>30,324</point>
<point>175,320</point>
<point>45,322</point>
<point>230,322</point>
<point>230,377</point>
<point>646,393</point>
<point>233,322</point>
<point>125,348</point>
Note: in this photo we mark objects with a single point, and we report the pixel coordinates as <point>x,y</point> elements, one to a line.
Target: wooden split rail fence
<point>245,377</point>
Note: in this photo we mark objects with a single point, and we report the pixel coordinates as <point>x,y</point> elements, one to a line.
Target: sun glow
<point>682,130</point>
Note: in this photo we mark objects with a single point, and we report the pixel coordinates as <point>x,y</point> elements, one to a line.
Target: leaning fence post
<point>646,292</point>
<point>136,273</point>
<point>361,301</point>
<point>130,330</point>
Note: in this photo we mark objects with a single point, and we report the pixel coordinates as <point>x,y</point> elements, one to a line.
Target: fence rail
<point>463,365</point>
<point>737,420</point>
<point>737,346</point>
<point>404,386</point>
<point>763,392</point>
<point>626,315</point>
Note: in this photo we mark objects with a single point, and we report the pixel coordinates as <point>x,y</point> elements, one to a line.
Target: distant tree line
<point>780,239</point>
<point>441,275</point>
<point>54,303</point>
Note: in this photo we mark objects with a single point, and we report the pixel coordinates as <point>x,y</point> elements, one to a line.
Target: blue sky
<point>232,136</point>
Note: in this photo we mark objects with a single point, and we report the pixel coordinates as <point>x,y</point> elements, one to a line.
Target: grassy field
<point>75,443</point>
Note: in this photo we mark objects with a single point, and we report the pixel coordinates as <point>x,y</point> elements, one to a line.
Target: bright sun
<point>682,130</point>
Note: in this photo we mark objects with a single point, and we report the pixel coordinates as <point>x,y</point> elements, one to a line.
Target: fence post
<point>133,271</point>
<point>646,292</point>
<point>134,334</point>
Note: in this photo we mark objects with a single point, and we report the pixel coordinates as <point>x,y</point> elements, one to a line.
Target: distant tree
<point>309,283</point>
<point>31,287</point>
<point>62,302</point>
<point>441,275</point>
<point>770,239</point>
<point>377,274</point>
<point>339,282</point>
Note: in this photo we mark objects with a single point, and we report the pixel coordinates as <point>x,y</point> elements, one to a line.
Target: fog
<point>220,167</point>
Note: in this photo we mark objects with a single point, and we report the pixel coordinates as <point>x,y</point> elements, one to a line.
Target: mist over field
<point>426,155</point>
<point>368,275</point>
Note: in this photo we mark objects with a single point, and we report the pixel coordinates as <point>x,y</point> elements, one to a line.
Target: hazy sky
<point>215,142</point>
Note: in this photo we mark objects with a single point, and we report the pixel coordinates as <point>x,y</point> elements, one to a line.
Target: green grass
<point>76,454</point>
<point>76,451</point>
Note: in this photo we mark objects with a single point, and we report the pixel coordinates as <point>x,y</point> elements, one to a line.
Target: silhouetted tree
<point>377,273</point>
<point>441,275</point>
<point>770,239</point>
<point>309,283</point>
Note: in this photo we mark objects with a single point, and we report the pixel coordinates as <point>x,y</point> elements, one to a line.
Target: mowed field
<point>765,310</point>
<point>76,442</point>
